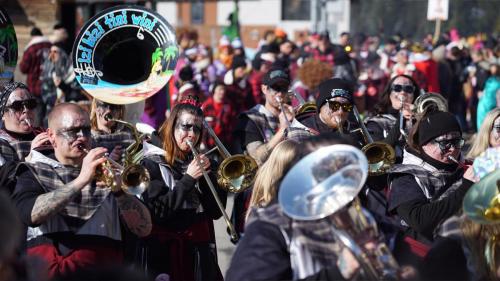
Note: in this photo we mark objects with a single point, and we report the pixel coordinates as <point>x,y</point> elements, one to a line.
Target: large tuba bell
<point>125,54</point>
<point>325,183</point>
<point>427,100</point>
<point>8,48</point>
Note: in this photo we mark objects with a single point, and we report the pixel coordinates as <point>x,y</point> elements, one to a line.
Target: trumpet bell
<point>135,179</point>
<point>236,173</point>
<point>125,54</point>
<point>482,201</point>
<point>381,157</point>
<point>323,182</point>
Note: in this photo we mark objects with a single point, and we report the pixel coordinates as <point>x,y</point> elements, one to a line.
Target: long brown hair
<point>172,150</point>
<point>93,114</point>
<point>384,104</point>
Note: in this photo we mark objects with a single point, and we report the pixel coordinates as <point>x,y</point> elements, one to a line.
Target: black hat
<point>238,61</point>
<point>437,124</point>
<point>276,78</point>
<point>332,88</point>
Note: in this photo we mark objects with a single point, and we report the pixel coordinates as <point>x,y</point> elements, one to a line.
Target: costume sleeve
<point>162,200</point>
<point>424,217</point>
<point>375,130</point>
<point>25,194</point>
<point>27,61</point>
<point>394,134</point>
<point>263,252</point>
<point>404,188</point>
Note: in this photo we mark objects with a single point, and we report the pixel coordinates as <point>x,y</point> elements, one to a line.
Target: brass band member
<point>182,243</point>
<point>73,221</point>
<point>107,133</point>
<point>428,187</point>
<point>17,135</point>
<point>334,104</point>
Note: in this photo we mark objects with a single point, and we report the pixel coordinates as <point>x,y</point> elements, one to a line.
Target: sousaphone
<point>8,48</point>
<point>125,54</point>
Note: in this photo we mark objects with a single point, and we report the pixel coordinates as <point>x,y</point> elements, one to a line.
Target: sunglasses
<point>405,88</point>
<point>335,105</point>
<point>446,145</point>
<point>74,133</point>
<point>189,127</point>
<point>20,105</point>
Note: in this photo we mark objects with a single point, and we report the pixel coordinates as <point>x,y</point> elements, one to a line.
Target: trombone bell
<point>236,173</point>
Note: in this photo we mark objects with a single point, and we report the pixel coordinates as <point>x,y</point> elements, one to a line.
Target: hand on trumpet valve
<point>91,163</point>
<point>194,170</point>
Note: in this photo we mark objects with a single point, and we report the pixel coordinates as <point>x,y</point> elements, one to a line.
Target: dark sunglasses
<point>446,145</point>
<point>20,105</point>
<point>405,88</point>
<point>75,132</point>
<point>335,105</point>
<point>189,127</point>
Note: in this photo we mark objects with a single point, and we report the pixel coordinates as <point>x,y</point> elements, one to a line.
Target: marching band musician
<point>182,243</point>
<point>73,221</point>
<point>107,133</point>
<point>396,99</point>
<point>17,135</point>
<point>428,187</point>
<point>334,103</point>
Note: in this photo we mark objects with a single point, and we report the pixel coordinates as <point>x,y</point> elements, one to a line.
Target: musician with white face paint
<point>17,135</point>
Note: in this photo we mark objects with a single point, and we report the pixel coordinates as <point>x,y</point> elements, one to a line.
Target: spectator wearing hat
<point>31,64</point>
<point>261,64</point>
<point>225,52</point>
<point>333,106</point>
<point>238,49</point>
<point>237,90</point>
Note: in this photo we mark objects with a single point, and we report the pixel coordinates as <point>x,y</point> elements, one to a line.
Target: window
<point>296,9</point>
<point>197,12</point>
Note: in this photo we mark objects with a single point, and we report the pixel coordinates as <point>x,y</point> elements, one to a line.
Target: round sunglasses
<point>405,88</point>
<point>335,105</point>
<point>20,105</point>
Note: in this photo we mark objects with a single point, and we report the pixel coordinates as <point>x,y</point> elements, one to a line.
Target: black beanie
<point>437,124</point>
<point>238,61</point>
<point>333,88</point>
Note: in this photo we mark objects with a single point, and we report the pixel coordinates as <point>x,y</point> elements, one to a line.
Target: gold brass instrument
<point>427,100</point>
<point>232,231</point>
<point>135,178</point>
<point>304,107</point>
<point>236,173</point>
<point>381,156</point>
<point>482,205</point>
<point>324,185</point>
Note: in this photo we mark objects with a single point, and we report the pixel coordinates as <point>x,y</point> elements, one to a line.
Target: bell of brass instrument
<point>236,173</point>
<point>427,100</point>
<point>482,205</point>
<point>303,107</point>
<point>135,178</point>
<point>324,184</point>
<point>232,231</point>
<point>381,156</point>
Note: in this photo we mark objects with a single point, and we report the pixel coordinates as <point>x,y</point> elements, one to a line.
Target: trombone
<point>232,231</point>
<point>236,173</point>
<point>381,156</point>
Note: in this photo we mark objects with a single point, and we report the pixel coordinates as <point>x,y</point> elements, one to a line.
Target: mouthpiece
<point>108,117</point>
<point>28,122</point>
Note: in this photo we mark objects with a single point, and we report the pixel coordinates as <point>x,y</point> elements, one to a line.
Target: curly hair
<point>313,72</point>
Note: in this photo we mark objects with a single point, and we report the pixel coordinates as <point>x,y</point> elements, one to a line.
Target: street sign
<point>437,10</point>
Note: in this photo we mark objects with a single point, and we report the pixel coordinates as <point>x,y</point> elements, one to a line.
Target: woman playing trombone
<point>182,243</point>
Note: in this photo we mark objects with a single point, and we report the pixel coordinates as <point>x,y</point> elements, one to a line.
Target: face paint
<point>187,127</point>
<point>73,133</point>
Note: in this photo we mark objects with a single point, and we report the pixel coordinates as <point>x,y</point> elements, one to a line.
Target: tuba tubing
<point>232,231</point>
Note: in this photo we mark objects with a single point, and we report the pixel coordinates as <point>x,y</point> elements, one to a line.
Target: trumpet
<point>401,118</point>
<point>232,231</point>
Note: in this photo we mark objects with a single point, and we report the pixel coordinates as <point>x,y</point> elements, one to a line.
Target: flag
<point>233,30</point>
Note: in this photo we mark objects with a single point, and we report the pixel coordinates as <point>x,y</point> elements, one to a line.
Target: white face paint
<point>495,133</point>
<point>71,133</point>
<point>187,127</point>
<point>444,146</point>
<point>19,120</point>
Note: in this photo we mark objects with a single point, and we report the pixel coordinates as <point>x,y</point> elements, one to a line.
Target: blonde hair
<point>482,140</point>
<point>270,173</point>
